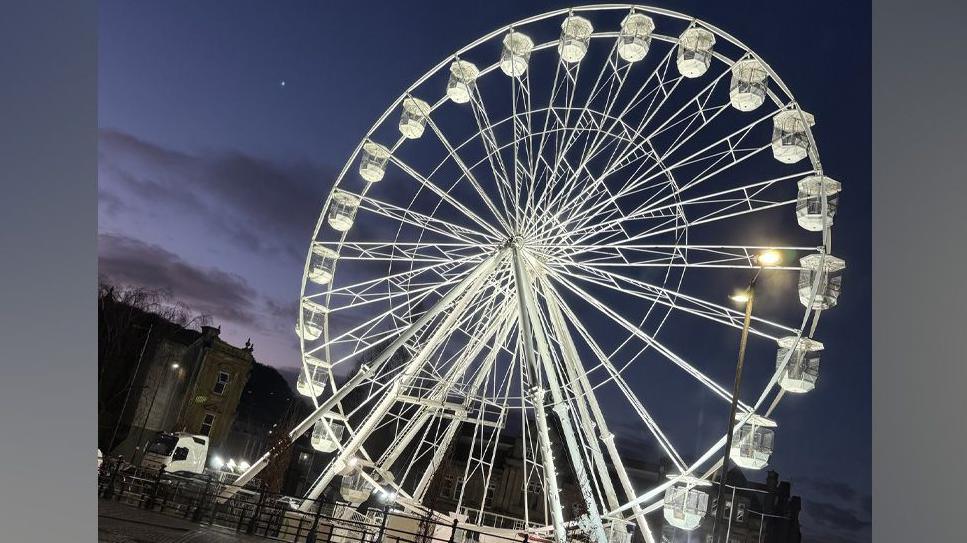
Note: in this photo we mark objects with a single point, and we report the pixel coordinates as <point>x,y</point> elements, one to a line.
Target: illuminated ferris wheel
<point>537,241</point>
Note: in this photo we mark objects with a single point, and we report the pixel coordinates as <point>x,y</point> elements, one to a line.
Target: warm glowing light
<point>175,366</point>
<point>770,257</point>
<point>740,297</point>
<point>243,465</point>
<point>217,462</point>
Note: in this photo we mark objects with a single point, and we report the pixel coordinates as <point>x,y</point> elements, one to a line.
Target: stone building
<point>157,376</point>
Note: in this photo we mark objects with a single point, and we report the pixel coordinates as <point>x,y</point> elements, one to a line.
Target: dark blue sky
<point>212,173</point>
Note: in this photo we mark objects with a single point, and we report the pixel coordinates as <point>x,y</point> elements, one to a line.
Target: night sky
<point>223,124</point>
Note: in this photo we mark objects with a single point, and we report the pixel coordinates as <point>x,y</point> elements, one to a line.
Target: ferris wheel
<point>537,241</point>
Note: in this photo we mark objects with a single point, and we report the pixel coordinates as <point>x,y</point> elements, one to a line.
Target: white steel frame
<point>482,297</point>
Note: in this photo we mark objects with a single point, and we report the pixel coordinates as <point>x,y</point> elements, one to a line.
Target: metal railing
<point>275,516</point>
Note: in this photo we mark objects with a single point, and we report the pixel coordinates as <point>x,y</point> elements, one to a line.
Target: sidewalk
<point>120,523</point>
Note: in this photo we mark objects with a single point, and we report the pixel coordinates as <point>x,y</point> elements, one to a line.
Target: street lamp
<point>765,259</point>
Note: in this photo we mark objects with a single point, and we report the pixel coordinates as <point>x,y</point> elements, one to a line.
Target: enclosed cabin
<point>414,116</point>
<point>355,488</point>
<point>342,210</point>
<point>313,319</point>
<point>177,452</point>
<point>686,502</point>
<point>516,53</point>
<point>695,52</point>
<point>790,140</point>
<point>463,76</point>
<point>753,443</point>
<point>575,38</point>
<point>372,163</point>
<point>322,264</point>
<point>312,379</point>
<point>810,211</point>
<point>635,36</point>
<point>749,86</point>
<point>825,273</point>
<point>802,370</point>
<point>326,434</point>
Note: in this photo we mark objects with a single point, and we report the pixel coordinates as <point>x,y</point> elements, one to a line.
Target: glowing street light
<point>769,257</point>
<point>741,297</point>
<point>217,462</point>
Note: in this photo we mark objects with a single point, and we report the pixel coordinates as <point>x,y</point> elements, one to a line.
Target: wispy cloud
<point>256,204</point>
<point>206,290</point>
<point>833,516</point>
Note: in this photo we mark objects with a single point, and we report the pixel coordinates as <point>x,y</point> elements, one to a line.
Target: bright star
<point>283,82</point>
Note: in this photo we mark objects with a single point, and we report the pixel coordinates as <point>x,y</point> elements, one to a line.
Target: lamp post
<point>764,259</point>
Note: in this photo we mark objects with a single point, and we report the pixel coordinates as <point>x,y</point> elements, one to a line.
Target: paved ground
<point>120,523</point>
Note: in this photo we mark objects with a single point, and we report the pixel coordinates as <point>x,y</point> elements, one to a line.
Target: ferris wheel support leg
<point>485,267</point>
<point>533,333</point>
<point>586,393</point>
<point>454,424</point>
<point>550,474</point>
<point>438,395</point>
<point>467,289</point>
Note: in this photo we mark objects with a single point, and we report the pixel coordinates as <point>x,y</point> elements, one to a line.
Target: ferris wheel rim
<point>394,106</point>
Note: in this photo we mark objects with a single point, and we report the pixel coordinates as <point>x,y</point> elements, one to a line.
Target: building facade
<point>184,381</point>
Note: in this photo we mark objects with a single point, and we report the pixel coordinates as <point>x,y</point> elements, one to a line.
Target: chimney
<point>772,480</point>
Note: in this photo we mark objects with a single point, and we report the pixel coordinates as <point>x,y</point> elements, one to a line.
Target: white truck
<point>177,452</point>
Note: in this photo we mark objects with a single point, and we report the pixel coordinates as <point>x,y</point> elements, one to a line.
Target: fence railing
<point>256,511</point>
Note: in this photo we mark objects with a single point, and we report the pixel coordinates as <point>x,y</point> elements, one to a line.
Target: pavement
<point>121,523</point>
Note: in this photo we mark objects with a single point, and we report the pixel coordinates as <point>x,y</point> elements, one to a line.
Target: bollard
<point>453,531</point>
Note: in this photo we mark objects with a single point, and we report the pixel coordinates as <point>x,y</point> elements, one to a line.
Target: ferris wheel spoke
<point>596,143</point>
<point>675,255</point>
<point>584,121</point>
<point>501,217</point>
<point>494,154</point>
<point>647,339</point>
<point>701,110</point>
<point>692,305</point>
<point>744,194</point>
<point>719,150</point>
<point>634,152</point>
<point>615,375</point>
<point>420,220</point>
<point>386,316</point>
<point>445,196</point>
<point>722,205</point>
<point>399,279</point>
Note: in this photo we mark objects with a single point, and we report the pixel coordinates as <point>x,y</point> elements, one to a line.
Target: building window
<point>534,487</point>
<point>206,424</point>
<point>740,508</point>
<point>222,382</point>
